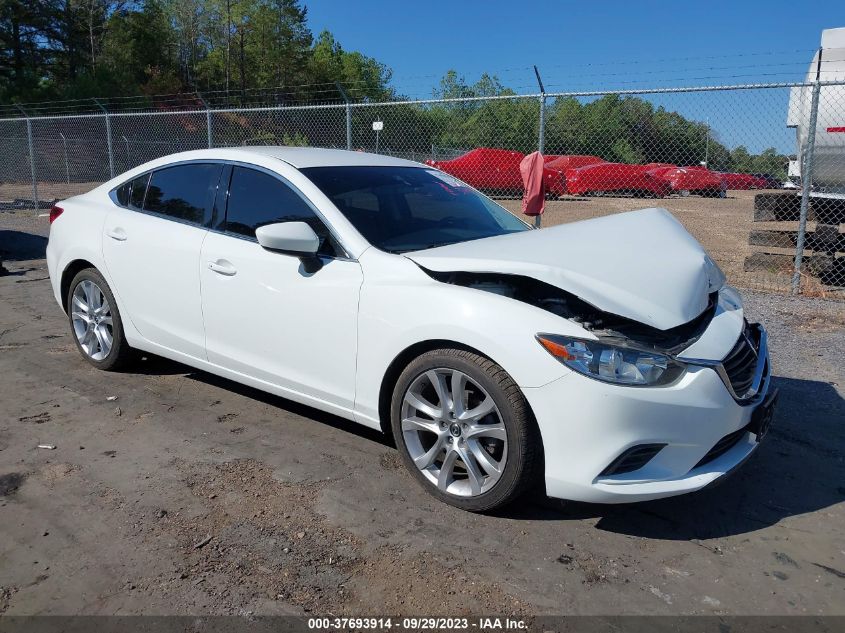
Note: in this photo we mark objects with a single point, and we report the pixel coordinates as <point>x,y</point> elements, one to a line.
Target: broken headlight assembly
<point>612,363</point>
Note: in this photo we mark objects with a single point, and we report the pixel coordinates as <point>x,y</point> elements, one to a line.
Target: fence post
<point>126,145</point>
<point>108,137</point>
<point>348,114</point>
<point>807,179</point>
<point>64,151</point>
<point>541,141</point>
<point>31,158</point>
<point>207,120</point>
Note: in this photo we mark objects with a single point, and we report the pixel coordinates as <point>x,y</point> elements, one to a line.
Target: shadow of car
<point>774,485</point>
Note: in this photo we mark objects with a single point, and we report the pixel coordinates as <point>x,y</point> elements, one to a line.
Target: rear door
<point>151,244</point>
<point>268,317</point>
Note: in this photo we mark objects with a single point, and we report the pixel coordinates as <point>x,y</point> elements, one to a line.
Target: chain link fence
<point>754,172</point>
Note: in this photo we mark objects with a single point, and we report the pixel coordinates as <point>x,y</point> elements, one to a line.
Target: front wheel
<point>95,321</point>
<point>464,430</point>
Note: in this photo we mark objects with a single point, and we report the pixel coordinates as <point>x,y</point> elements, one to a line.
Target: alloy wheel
<point>92,320</point>
<point>454,432</point>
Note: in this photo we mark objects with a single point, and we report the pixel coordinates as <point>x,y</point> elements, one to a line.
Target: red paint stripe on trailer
<point>836,129</point>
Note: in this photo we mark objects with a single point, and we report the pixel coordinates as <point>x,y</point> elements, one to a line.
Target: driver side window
<point>257,198</point>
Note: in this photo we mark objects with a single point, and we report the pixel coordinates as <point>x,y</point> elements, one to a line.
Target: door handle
<point>222,267</point>
<point>117,234</point>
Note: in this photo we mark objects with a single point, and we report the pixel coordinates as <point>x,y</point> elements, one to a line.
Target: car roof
<point>303,157</point>
<point>296,157</point>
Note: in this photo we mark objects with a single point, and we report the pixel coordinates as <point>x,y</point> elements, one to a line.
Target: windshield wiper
<point>437,245</point>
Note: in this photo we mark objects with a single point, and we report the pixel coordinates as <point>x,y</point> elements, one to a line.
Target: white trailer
<point>828,161</point>
<point>820,174</point>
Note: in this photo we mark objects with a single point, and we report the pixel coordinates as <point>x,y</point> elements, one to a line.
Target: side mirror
<point>295,238</point>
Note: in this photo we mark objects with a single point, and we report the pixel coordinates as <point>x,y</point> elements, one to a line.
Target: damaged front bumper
<point>607,443</point>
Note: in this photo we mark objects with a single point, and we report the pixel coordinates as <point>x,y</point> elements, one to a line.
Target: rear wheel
<point>95,321</point>
<point>464,430</point>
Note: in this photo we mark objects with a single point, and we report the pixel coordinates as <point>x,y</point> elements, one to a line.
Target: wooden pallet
<point>823,246</point>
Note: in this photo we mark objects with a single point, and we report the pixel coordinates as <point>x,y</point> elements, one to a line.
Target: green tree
<point>136,50</point>
<point>281,43</point>
<point>772,162</point>
<point>363,77</point>
<point>23,61</point>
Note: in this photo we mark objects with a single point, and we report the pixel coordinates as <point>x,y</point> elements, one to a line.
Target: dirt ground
<point>170,491</point>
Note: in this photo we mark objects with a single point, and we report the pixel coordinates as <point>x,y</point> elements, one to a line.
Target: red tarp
<point>534,196</point>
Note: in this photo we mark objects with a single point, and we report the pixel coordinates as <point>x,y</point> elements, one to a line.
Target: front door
<point>265,315</point>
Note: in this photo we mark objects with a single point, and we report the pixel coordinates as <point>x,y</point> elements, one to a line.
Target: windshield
<point>400,209</point>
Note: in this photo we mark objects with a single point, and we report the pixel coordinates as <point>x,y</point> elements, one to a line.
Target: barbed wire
<point>580,64</point>
<point>328,92</point>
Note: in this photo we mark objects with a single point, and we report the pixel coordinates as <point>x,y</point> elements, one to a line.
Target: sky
<point>600,45</point>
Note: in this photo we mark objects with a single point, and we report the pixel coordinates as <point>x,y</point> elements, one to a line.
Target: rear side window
<point>257,198</point>
<point>122,194</point>
<point>138,188</point>
<point>131,194</point>
<point>183,192</point>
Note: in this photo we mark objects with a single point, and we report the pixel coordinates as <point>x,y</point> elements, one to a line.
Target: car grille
<point>723,446</point>
<point>741,363</point>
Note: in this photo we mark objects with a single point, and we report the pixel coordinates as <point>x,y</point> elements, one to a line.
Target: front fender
<point>401,306</point>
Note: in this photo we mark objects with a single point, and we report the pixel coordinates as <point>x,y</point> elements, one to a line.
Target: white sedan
<point>605,360</point>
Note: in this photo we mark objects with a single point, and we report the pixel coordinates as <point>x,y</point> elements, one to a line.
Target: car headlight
<point>612,363</point>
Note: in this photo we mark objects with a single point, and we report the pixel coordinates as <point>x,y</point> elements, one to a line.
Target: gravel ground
<point>171,491</point>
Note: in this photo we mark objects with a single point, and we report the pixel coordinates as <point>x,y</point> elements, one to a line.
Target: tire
<point>88,284</point>
<point>506,438</point>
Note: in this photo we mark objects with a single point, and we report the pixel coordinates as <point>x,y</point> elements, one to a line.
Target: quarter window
<point>257,198</point>
<point>122,194</point>
<point>183,192</point>
<point>138,189</point>
<point>131,194</point>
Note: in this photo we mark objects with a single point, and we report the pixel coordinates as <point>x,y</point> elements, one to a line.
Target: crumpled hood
<point>642,265</point>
